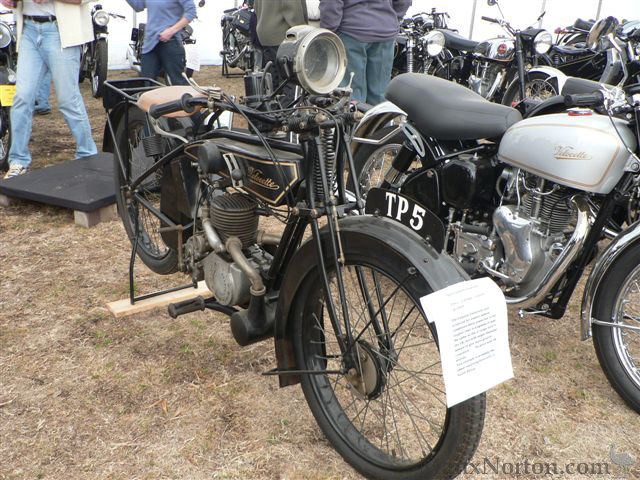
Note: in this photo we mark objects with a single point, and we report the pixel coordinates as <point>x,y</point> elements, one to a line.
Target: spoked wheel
<point>139,205</point>
<point>373,161</point>
<point>382,404</point>
<point>618,348</point>
<point>5,138</point>
<point>99,67</point>
<point>538,86</point>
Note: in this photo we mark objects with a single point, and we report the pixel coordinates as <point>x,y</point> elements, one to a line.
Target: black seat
<point>583,24</point>
<point>458,42</point>
<point>448,111</point>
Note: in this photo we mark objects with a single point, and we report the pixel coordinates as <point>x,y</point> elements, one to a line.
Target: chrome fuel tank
<point>579,151</point>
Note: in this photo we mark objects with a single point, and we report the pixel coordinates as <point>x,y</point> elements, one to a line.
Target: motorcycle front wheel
<point>618,349</point>
<point>387,415</point>
<point>136,208</point>
<point>536,87</point>
<point>99,67</point>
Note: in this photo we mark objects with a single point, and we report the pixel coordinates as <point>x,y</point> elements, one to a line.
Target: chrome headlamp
<point>315,57</point>
<point>433,42</point>
<point>100,18</point>
<point>5,35</point>
<point>542,42</point>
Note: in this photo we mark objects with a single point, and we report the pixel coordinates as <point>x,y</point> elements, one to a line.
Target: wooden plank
<point>123,308</point>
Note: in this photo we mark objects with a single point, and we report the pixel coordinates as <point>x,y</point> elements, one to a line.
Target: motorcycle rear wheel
<point>387,417</point>
<point>618,349</point>
<point>151,249</point>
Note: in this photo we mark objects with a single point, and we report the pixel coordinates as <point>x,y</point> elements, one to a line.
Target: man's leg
<point>150,64</point>
<point>30,69</point>
<point>172,59</point>
<point>64,64</point>
<point>44,92</point>
<point>379,66</point>
<point>356,63</point>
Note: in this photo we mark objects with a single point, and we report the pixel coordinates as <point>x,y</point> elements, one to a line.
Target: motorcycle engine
<point>231,215</point>
<point>487,78</point>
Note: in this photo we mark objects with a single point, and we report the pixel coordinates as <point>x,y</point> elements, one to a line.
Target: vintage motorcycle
<point>502,70</point>
<point>94,60</point>
<point>529,203</point>
<point>342,303</point>
<point>8,61</point>
<point>238,49</point>
<point>419,43</point>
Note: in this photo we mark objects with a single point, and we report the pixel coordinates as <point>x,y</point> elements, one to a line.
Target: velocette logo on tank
<point>258,177</point>
<point>570,153</point>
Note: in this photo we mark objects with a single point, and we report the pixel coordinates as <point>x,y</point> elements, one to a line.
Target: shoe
<point>16,170</point>
<point>42,111</point>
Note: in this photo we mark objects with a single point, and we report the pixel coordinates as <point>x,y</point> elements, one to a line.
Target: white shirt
<point>29,7</point>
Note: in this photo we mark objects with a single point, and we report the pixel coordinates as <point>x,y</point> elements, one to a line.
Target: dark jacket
<point>364,20</point>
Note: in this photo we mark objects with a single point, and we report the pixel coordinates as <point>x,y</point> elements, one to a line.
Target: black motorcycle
<point>343,303</point>
<point>418,43</point>
<point>238,39</point>
<point>94,60</point>
<point>8,61</point>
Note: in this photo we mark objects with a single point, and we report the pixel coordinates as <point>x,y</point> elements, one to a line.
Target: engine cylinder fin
<point>234,215</point>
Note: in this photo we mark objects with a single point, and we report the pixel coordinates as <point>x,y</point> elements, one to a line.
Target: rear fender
<point>439,270</point>
<point>375,119</point>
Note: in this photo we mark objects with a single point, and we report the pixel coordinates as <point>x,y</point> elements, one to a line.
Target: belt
<point>40,19</point>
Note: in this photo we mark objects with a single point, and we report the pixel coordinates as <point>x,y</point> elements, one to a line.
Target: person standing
<point>50,34</point>
<point>368,29</point>
<point>42,97</point>
<point>162,48</point>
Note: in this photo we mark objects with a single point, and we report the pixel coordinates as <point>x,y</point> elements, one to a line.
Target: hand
<point>8,3</point>
<point>165,35</point>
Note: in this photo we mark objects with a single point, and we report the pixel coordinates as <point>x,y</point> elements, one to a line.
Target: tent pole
<point>473,18</point>
<point>599,9</point>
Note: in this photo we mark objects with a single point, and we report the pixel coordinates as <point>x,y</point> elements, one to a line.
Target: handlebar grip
<point>594,99</point>
<point>489,19</point>
<point>156,111</point>
<point>195,305</point>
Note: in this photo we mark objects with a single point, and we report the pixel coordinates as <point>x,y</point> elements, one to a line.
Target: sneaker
<point>42,111</point>
<point>15,170</point>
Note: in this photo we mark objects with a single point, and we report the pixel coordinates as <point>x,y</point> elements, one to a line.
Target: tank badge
<point>258,177</point>
<point>569,153</point>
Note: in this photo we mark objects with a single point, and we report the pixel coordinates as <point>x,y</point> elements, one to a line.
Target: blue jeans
<point>40,49</point>
<point>44,92</point>
<point>168,57</point>
<point>371,64</point>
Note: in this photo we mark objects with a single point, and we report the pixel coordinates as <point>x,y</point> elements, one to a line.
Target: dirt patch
<point>83,395</point>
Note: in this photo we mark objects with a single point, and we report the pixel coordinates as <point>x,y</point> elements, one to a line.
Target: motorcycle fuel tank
<point>499,49</point>
<point>578,151</point>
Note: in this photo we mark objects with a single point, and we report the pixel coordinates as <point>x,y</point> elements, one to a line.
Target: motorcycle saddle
<point>458,42</point>
<point>583,24</point>
<point>162,95</point>
<point>447,111</point>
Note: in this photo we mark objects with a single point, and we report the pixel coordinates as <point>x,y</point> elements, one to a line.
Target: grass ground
<point>86,396</point>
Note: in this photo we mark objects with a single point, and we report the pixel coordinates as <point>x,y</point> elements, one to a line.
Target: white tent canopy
<point>465,16</point>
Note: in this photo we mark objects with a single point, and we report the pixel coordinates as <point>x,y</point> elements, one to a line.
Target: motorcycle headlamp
<point>100,18</point>
<point>542,42</point>
<point>5,35</point>
<point>433,43</point>
<point>315,57</point>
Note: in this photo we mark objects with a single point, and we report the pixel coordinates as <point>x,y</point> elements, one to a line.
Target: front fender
<point>373,120</point>
<point>439,270</point>
<point>556,77</point>
<point>617,247</point>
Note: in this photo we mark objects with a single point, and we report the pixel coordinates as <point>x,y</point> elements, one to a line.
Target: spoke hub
<point>368,376</point>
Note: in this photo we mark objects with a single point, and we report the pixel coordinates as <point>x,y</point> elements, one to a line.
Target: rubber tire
<point>100,67</point>
<point>167,263</point>
<point>4,160</point>
<point>465,421</point>
<point>365,151</point>
<point>513,89</point>
<point>604,305</point>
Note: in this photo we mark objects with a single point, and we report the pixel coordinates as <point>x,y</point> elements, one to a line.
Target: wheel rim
<point>149,224</point>
<point>536,89</point>
<point>391,407</point>
<point>627,342</point>
<point>376,167</point>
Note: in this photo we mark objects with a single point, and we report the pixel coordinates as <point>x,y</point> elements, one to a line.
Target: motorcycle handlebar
<point>594,99</point>
<point>489,19</point>
<point>184,104</point>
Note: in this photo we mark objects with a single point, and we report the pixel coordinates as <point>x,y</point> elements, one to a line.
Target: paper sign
<point>471,321</point>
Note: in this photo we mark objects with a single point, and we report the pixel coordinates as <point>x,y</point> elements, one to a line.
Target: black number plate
<point>408,212</point>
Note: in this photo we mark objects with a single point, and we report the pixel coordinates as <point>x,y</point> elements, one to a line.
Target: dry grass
<point>85,396</point>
